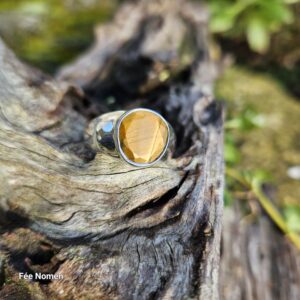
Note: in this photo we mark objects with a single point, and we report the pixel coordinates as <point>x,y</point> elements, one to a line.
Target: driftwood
<point>257,261</point>
<point>111,230</point>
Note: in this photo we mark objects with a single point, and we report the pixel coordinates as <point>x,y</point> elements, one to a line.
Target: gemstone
<point>143,136</point>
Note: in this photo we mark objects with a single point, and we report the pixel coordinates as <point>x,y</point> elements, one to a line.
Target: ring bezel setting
<point>104,133</point>
<point>118,142</point>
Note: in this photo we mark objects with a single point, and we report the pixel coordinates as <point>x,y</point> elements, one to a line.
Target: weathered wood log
<point>257,261</point>
<point>111,230</point>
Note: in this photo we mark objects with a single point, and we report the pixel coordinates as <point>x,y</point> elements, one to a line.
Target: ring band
<point>141,137</point>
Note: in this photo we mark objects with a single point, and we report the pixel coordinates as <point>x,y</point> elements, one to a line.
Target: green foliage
<point>244,121</point>
<point>252,182</point>
<point>47,33</point>
<point>254,20</point>
<point>247,182</point>
<point>292,216</point>
<point>231,152</point>
<point>253,135</point>
<point>257,177</point>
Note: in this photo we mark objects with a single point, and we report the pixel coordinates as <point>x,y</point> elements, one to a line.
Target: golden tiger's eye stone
<point>143,136</point>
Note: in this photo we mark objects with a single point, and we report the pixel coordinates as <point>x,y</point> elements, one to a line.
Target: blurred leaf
<point>261,176</point>
<point>246,120</point>
<point>275,15</point>
<point>254,20</point>
<point>258,35</point>
<point>292,217</point>
<point>284,14</point>
<point>231,153</point>
<point>221,23</point>
<point>254,177</point>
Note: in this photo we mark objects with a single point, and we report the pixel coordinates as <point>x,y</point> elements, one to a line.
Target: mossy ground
<point>275,146</point>
<point>47,33</point>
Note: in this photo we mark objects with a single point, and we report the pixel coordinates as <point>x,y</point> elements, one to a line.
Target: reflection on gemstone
<point>143,136</point>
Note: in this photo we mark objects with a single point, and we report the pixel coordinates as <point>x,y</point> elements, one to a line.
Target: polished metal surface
<point>105,135</point>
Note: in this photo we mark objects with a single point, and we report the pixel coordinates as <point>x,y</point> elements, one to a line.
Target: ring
<point>141,137</point>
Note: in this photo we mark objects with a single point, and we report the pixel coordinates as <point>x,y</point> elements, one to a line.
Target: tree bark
<point>111,230</point>
<point>257,261</point>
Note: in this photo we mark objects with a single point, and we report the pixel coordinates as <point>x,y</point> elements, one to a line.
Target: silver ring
<point>141,137</point>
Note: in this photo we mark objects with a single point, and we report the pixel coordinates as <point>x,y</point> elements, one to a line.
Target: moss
<point>50,32</point>
<point>276,146</point>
